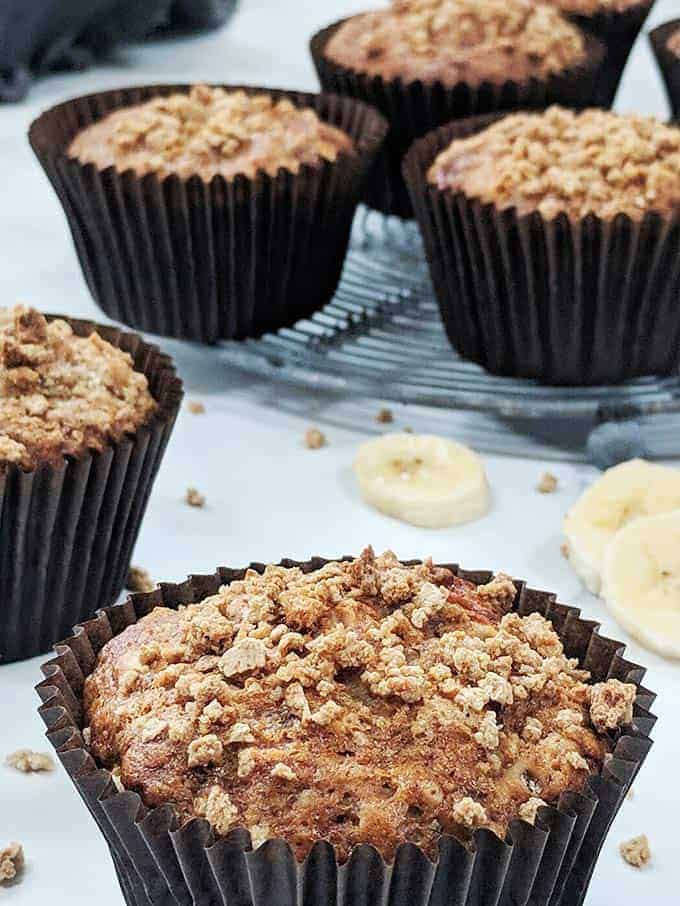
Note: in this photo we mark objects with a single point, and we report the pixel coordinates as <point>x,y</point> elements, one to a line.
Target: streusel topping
<point>210,131</point>
<point>61,394</point>
<point>674,43</point>
<point>366,701</point>
<point>580,163</point>
<point>459,40</point>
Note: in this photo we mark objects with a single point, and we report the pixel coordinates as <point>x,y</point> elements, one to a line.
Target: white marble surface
<point>267,495</point>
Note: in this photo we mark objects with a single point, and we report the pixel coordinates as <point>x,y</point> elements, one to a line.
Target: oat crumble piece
<point>636,852</point>
<point>384,417</point>
<point>195,498</point>
<point>29,762</point>
<point>611,704</point>
<point>139,580</point>
<point>196,407</point>
<point>364,701</point>
<point>547,483</point>
<point>314,439</point>
<point>528,810</point>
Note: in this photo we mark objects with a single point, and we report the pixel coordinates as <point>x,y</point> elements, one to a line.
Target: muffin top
<point>366,701</point>
<point>560,161</point>
<point>61,394</point>
<point>209,132</point>
<point>453,41</point>
<point>592,7</point>
<point>673,43</point>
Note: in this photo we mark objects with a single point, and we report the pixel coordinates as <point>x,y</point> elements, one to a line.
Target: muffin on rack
<point>364,701</point>
<point>177,197</point>
<point>665,41</point>
<point>425,62</point>
<point>552,240</point>
<point>85,413</point>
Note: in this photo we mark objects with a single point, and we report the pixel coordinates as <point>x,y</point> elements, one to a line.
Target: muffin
<point>209,213</point>
<point>352,713</point>
<point>85,414</point>
<point>616,23</point>
<point>552,240</point>
<point>423,63</point>
<point>665,41</point>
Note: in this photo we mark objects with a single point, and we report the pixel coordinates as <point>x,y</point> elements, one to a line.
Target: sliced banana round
<point>641,581</point>
<point>629,490</point>
<point>422,479</point>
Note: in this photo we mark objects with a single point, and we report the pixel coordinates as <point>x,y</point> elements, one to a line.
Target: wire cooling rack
<point>381,337</point>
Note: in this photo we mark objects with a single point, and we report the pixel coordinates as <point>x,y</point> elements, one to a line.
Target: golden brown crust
<point>453,41</point>
<point>561,161</point>
<point>61,394</point>
<point>363,702</point>
<point>209,132</point>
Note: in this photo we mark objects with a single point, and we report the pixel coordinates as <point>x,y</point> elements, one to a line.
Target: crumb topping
<point>673,43</point>
<point>459,40</point>
<point>210,132</point>
<point>547,483</point>
<point>636,852</point>
<point>29,762</point>
<point>366,701</point>
<point>61,394</point>
<point>558,161</point>
<point>193,497</point>
<point>11,862</point>
<point>314,439</point>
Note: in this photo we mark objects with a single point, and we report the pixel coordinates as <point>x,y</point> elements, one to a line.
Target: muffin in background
<point>85,414</point>
<point>665,41</point>
<point>296,709</point>
<point>553,240</point>
<point>425,62</point>
<point>209,213</point>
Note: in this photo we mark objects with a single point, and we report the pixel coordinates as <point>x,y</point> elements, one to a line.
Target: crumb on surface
<point>564,549</point>
<point>138,580</point>
<point>547,483</point>
<point>314,439</point>
<point>196,407</point>
<point>11,862</point>
<point>385,417</point>
<point>195,498</point>
<point>636,851</point>
<point>29,762</point>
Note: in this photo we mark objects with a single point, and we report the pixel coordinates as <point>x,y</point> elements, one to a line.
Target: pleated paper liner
<point>565,302</point>
<point>67,532</point>
<point>669,63</point>
<point>414,108</point>
<point>160,862</point>
<point>617,30</point>
<point>203,261</point>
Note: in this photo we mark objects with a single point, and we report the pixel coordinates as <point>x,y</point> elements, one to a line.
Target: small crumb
<point>636,852</point>
<point>384,417</point>
<point>11,862</point>
<point>283,772</point>
<point>138,580</point>
<point>407,430</point>
<point>547,484</point>
<point>29,762</point>
<point>564,550</point>
<point>315,439</point>
<point>194,498</point>
<point>195,407</point>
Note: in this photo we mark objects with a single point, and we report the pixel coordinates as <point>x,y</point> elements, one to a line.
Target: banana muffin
<point>366,701</point>
<point>560,161</point>
<point>62,394</point>
<point>453,41</point>
<point>209,131</point>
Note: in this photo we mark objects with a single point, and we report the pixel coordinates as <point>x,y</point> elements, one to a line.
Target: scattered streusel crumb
<point>29,762</point>
<point>636,852</point>
<point>11,862</point>
<point>315,439</point>
<point>195,407</point>
<point>564,550</point>
<point>408,430</point>
<point>547,483</point>
<point>384,417</point>
<point>138,579</point>
<point>194,497</point>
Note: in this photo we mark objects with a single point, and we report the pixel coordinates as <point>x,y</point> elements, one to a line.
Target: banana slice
<point>641,581</point>
<point>632,489</point>
<point>422,479</point>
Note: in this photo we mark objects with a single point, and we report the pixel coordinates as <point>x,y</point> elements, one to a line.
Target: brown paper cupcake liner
<point>67,532</point>
<point>617,31</point>
<point>571,302</point>
<point>669,63</point>
<point>160,862</point>
<point>414,108</point>
<point>203,261</point>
